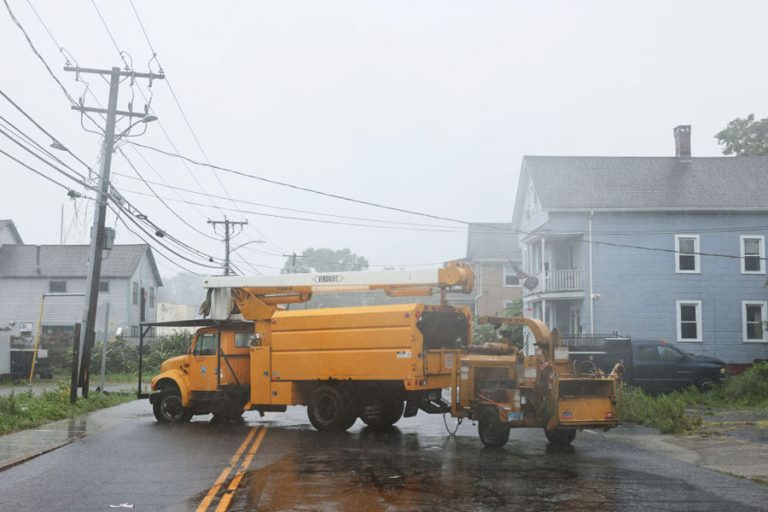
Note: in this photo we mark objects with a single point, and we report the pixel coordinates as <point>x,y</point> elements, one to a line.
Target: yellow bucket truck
<point>376,363</point>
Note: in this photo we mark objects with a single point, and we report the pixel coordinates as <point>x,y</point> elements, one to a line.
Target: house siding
<point>490,290</point>
<point>638,289</point>
<point>20,302</point>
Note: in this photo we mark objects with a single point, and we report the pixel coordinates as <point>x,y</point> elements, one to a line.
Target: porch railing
<point>564,280</point>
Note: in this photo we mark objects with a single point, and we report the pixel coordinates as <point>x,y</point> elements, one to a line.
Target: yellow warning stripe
<point>225,473</point>
<point>230,492</point>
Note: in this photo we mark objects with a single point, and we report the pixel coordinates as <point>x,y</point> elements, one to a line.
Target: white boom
<point>331,281</point>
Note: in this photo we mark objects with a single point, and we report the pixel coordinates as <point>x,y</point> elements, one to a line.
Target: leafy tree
<point>744,137</point>
<point>324,260</point>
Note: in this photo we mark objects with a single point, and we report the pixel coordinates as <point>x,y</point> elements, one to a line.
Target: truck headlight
<point>722,370</point>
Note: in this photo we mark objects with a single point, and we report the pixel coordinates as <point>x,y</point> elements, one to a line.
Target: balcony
<point>567,280</point>
<point>559,281</point>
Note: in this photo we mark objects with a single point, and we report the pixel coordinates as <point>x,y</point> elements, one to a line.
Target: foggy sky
<point>427,106</point>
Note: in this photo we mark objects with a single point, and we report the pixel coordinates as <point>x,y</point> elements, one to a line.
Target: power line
<point>159,198</point>
<point>297,187</point>
<point>117,215</point>
<point>60,184</point>
<point>39,127</point>
<point>109,33</point>
<point>186,119</point>
<point>320,221</point>
<point>40,57</point>
<point>296,210</point>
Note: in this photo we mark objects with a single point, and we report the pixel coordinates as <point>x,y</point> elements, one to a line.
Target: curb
<point>7,464</point>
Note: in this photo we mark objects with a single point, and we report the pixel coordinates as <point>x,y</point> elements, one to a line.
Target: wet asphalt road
<point>415,466</point>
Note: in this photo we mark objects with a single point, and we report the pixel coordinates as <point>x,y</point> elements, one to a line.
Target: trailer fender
<point>173,377</point>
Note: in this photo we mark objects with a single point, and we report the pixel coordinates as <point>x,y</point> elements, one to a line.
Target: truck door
<point>645,370</point>
<point>202,367</point>
<point>675,373</point>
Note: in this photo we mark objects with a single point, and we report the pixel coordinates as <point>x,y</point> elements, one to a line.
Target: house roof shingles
<point>70,261</point>
<point>664,183</point>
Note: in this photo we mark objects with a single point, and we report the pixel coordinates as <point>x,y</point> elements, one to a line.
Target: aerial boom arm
<point>257,296</point>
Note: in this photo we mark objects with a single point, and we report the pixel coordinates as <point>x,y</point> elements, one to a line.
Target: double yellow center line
<point>229,492</point>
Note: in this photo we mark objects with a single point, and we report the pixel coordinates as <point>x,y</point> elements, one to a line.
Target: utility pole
<point>100,214</point>
<point>229,226</point>
<point>293,257</point>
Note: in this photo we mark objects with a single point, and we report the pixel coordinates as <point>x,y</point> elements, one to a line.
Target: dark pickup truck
<point>653,365</point>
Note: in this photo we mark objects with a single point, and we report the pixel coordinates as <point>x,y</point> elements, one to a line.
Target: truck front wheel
<point>328,411</point>
<point>168,409</point>
<point>494,433</point>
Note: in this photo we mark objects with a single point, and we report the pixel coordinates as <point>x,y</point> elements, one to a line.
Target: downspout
<point>480,286</point>
<point>591,283</point>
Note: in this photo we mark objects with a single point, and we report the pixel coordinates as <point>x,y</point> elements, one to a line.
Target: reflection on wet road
<point>419,467</point>
<point>126,457</point>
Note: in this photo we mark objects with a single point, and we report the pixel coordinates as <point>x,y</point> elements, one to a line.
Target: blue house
<point>666,248</point>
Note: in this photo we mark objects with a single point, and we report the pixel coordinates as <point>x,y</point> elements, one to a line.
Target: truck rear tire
<point>384,413</point>
<point>328,411</point>
<point>494,433</point>
<point>560,436</point>
<point>168,408</point>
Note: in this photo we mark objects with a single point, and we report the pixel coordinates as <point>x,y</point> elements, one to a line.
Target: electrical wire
<point>46,132</point>
<point>186,119</point>
<point>295,210</point>
<point>45,176</point>
<point>298,187</point>
<point>162,201</point>
<point>320,221</point>
<point>45,63</point>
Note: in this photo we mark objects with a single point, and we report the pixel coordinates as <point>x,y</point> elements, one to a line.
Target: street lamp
<point>144,120</point>
<point>247,243</point>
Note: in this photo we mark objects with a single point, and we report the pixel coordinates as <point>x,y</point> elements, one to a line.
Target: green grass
<point>670,413</point>
<point>20,411</point>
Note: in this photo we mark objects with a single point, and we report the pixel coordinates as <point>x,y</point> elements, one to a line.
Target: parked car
<point>653,365</point>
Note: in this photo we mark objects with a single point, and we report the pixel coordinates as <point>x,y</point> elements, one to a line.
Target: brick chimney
<point>683,141</point>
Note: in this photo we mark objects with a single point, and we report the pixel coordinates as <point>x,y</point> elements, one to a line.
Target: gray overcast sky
<point>428,106</point>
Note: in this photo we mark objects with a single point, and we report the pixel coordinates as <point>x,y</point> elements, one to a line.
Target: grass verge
<point>670,412</point>
<point>27,410</point>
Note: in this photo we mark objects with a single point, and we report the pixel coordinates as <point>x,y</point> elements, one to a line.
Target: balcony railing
<point>562,280</point>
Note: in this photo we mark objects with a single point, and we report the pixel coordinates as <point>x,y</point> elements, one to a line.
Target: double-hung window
<point>689,320</point>
<point>687,254</point>
<point>753,316</point>
<point>510,276</point>
<point>752,254</point>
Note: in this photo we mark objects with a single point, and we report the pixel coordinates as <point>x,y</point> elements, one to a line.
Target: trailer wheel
<point>168,408</point>
<point>328,411</point>
<point>560,436</point>
<point>494,433</point>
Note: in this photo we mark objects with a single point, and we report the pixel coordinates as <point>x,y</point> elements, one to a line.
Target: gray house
<point>666,248</point>
<point>129,282</point>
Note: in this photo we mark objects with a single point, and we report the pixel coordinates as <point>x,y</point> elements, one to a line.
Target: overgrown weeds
<point>19,411</point>
<point>671,413</point>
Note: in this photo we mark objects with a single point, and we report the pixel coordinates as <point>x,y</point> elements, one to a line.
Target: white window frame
<point>742,251</point>
<point>696,250</point>
<point>504,274</point>
<point>699,337</point>
<point>764,307</point>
